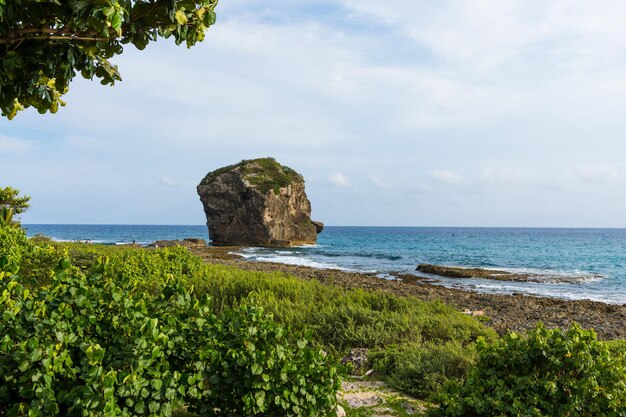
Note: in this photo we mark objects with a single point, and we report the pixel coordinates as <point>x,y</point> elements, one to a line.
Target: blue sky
<point>397,112</point>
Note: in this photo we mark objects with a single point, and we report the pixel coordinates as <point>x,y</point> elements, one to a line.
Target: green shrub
<point>254,370</point>
<point>547,373</point>
<point>421,369</point>
<point>13,242</point>
<point>147,267</point>
<point>36,260</point>
<point>96,345</point>
<point>38,263</point>
<point>616,347</point>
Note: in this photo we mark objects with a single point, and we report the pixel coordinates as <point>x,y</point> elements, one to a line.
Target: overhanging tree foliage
<point>45,43</point>
<point>11,203</point>
<point>11,198</point>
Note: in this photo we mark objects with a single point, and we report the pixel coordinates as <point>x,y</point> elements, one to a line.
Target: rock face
<point>257,202</point>
<point>319,226</point>
<point>357,358</point>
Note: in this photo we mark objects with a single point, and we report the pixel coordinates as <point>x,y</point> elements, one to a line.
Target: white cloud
<point>506,175</point>
<point>382,183</point>
<point>14,145</point>
<point>166,181</point>
<point>339,180</point>
<point>487,60</point>
<point>599,173</point>
<point>488,34</point>
<point>446,177</point>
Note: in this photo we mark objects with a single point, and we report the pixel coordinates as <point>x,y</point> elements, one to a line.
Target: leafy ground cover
<point>417,346</point>
<point>90,340</point>
<point>548,372</point>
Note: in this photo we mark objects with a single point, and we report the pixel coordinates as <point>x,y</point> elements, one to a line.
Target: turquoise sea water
<point>575,263</point>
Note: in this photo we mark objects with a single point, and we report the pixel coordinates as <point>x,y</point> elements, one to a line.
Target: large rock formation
<point>257,202</point>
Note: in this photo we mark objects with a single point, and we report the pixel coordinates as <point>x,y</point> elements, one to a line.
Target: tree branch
<point>51,37</point>
<point>145,12</point>
<point>21,34</point>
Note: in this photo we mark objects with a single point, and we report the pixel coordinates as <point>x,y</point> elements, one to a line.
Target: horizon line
<point>334,225</point>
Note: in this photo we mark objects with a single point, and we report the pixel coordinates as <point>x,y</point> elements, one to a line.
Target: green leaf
<point>156,352</point>
<point>95,354</point>
<point>116,22</point>
<point>108,11</point>
<point>153,406</point>
<point>260,399</point>
<point>181,17</point>
<point>256,369</point>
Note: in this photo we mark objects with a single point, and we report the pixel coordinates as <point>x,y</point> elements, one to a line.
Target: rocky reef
<point>458,272</point>
<point>257,202</point>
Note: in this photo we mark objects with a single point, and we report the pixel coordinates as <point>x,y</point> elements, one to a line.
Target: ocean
<point>576,263</point>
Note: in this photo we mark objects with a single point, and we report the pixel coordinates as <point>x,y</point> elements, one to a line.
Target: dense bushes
<point>400,329</point>
<point>95,345</point>
<point>35,261</point>
<point>13,242</point>
<point>253,369</point>
<point>547,373</point>
<point>227,358</point>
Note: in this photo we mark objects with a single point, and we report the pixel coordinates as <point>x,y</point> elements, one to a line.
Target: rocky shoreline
<point>502,312</point>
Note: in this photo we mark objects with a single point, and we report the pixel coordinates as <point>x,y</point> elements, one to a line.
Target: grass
<point>341,318</point>
<point>617,347</point>
<point>420,369</point>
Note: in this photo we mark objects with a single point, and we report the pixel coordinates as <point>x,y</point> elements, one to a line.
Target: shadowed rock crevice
<point>257,202</point>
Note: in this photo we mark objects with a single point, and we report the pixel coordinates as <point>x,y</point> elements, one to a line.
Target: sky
<point>397,113</point>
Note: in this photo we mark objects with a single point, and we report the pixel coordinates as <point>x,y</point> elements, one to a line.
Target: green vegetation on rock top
<point>265,174</point>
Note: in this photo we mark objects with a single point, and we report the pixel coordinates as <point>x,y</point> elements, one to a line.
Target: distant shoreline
<point>571,265</point>
<point>502,312</point>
